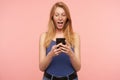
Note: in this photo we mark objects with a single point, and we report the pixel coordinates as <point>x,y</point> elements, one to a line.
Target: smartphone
<point>60,40</point>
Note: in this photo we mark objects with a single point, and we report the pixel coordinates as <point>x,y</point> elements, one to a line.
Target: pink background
<point>96,21</point>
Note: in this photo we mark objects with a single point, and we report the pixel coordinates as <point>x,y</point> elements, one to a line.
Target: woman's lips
<point>60,24</point>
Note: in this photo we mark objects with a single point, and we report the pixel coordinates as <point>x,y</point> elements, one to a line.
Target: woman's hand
<point>55,50</point>
<point>66,48</point>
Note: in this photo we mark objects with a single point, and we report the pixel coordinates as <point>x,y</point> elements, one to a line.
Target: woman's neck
<point>59,33</point>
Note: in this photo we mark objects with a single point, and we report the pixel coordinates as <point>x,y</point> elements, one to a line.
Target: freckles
<point>55,19</point>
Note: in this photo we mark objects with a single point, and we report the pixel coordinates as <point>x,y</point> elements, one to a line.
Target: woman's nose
<point>60,18</point>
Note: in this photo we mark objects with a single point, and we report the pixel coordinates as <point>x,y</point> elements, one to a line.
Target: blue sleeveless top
<point>60,65</point>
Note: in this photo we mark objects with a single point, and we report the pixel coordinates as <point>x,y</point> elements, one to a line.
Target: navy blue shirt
<point>60,65</point>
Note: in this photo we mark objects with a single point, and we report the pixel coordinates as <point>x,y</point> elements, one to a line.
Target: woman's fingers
<point>57,51</point>
<point>66,48</point>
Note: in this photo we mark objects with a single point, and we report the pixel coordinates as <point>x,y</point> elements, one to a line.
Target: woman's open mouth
<point>60,24</point>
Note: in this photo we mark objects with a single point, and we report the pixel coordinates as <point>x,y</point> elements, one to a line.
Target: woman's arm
<point>45,60</point>
<point>74,56</point>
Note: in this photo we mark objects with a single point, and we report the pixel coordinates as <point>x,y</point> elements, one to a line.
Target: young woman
<point>59,61</point>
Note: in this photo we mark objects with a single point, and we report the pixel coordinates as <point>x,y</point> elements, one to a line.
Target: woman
<point>59,61</point>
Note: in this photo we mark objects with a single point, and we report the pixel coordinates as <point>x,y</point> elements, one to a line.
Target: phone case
<point>60,40</point>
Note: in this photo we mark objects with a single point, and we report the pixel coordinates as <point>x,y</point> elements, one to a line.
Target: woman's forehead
<point>59,10</point>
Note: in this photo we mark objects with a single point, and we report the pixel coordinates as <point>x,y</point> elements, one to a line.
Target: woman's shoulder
<point>42,36</point>
<point>76,35</point>
<point>76,39</point>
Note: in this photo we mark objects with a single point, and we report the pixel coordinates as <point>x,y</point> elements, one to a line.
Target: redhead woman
<point>59,56</point>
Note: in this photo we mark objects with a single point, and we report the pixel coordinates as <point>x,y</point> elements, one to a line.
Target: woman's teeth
<point>60,22</point>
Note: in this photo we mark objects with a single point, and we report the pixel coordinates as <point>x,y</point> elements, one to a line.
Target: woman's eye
<point>63,15</point>
<point>56,15</point>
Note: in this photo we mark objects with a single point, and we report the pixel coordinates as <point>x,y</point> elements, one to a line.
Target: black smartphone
<point>60,40</point>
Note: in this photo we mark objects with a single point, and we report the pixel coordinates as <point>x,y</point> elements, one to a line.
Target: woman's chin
<point>59,27</point>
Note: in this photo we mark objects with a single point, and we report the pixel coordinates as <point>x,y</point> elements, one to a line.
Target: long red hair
<point>68,31</point>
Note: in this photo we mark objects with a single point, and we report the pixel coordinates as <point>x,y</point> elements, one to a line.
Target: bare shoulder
<point>76,36</point>
<point>77,40</point>
<point>42,36</point>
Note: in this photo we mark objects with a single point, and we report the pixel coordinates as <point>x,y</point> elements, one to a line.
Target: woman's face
<point>59,18</point>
